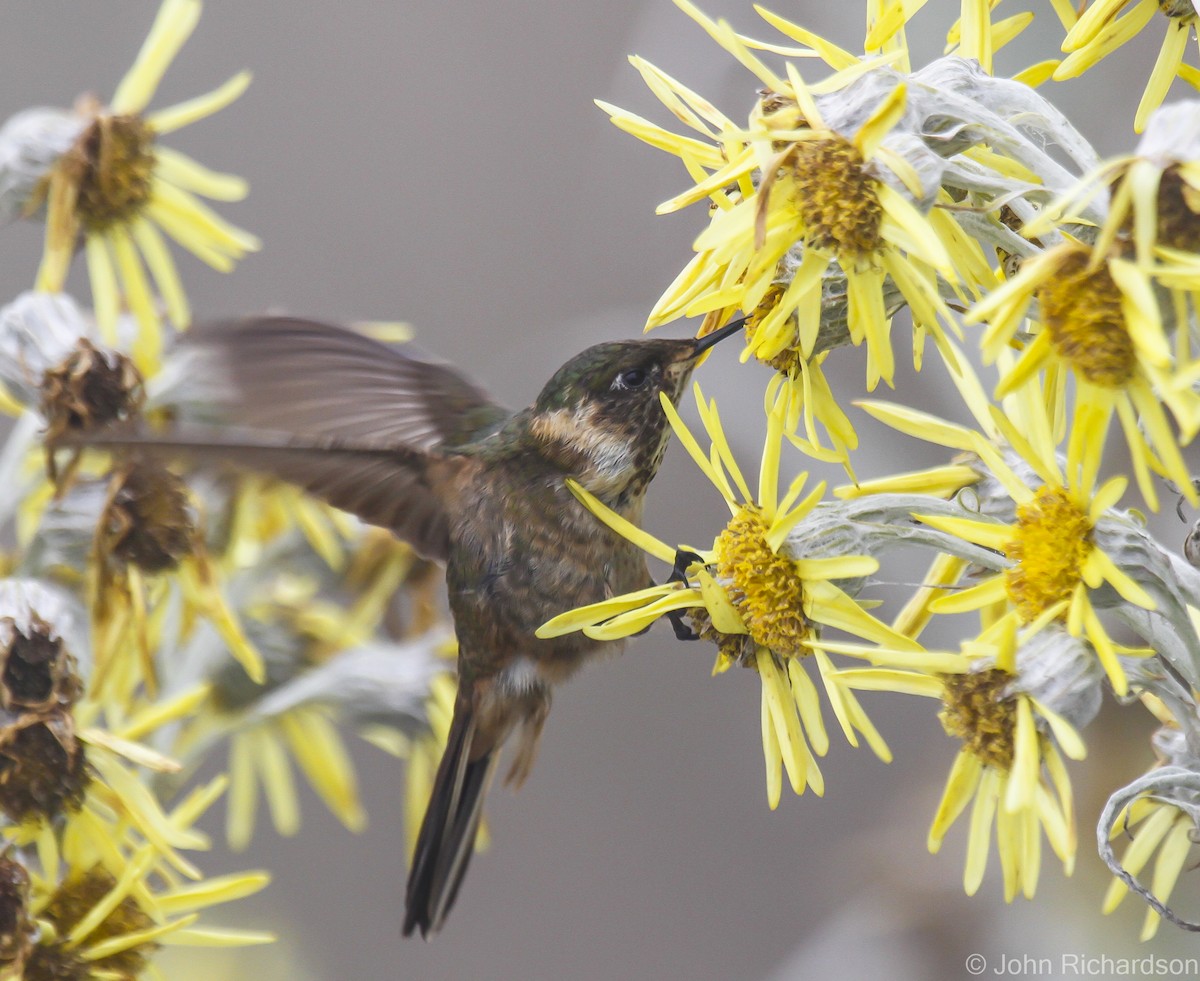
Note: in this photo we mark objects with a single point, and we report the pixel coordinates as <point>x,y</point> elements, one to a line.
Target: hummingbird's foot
<point>682,630</point>
<point>684,558</point>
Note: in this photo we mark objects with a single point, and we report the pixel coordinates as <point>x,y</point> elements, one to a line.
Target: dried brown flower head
<point>74,899</point>
<point>36,671</point>
<point>16,926</point>
<point>90,389</point>
<point>146,521</point>
<point>43,769</point>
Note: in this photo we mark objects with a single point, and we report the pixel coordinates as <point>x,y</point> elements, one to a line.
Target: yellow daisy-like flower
<point>1153,826</point>
<point>1057,558</point>
<point>315,645</point>
<point>1108,24</point>
<point>791,198</point>
<point>764,607</point>
<point>101,912</point>
<point>1010,768</point>
<point>1099,322</point>
<point>120,187</point>
<point>1153,221</point>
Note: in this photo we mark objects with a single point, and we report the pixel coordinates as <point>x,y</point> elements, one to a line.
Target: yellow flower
<point>1057,554</point>
<point>794,201</point>
<point>119,187</point>
<point>1152,825</point>
<point>1010,767</point>
<point>103,916</point>
<point>764,606</point>
<point>1153,225</point>
<point>1100,323</point>
<point>1108,24</point>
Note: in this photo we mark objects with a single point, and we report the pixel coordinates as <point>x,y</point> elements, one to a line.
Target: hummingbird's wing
<point>316,380</point>
<point>354,422</point>
<point>398,488</point>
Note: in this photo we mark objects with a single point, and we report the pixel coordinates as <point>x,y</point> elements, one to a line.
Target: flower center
<point>1178,212</point>
<point>16,925</point>
<point>113,163</point>
<point>89,389</point>
<point>836,198</point>
<point>74,899</point>
<point>1081,309</point>
<point>148,523</point>
<point>37,673</point>
<point>1052,541</point>
<point>976,710</point>
<point>762,584</point>
<point>43,770</point>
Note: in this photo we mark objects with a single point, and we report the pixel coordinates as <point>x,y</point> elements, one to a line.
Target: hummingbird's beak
<point>705,343</point>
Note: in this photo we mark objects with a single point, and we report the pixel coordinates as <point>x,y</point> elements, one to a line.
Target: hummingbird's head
<point>600,419</point>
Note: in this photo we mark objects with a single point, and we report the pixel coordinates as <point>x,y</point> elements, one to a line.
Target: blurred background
<point>445,165</point>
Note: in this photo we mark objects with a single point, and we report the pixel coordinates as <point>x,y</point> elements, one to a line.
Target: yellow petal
<point>961,786</point>
<point>622,526</point>
<point>583,616</point>
<point>172,27</point>
<point>724,614</point>
<point>182,171</point>
<point>1170,56</point>
<point>989,534</point>
<point>193,110</point>
<point>322,756</point>
<point>889,112</point>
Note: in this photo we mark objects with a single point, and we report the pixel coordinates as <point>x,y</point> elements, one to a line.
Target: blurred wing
<point>394,487</point>
<point>317,380</point>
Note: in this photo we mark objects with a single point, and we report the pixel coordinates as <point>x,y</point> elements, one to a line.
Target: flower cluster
<point>148,613</point>
<point>884,189</point>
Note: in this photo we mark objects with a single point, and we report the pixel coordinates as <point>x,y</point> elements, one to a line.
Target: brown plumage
<point>416,448</point>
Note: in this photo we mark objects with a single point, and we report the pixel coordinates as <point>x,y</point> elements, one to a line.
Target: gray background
<point>444,164</point>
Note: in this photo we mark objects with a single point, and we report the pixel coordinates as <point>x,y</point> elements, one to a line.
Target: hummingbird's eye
<point>633,378</point>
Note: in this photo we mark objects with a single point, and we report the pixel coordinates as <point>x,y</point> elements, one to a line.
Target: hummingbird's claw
<point>683,559</point>
<point>682,630</point>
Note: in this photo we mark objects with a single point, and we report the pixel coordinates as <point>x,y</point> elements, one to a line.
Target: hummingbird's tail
<point>451,823</point>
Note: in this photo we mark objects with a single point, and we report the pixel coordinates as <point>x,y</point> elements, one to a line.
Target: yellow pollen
<point>763,585</point>
<point>1052,542</point>
<point>836,198</point>
<point>1081,309</point>
<point>112,164</point>
<point>976,710</point>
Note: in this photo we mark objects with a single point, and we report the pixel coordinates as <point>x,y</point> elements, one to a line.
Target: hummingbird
<point>415,447</point>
